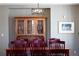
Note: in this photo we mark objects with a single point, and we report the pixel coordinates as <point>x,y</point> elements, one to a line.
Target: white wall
<point>71,13</point>
<point>3,29</point>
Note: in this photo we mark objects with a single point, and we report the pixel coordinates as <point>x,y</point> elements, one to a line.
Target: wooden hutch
<point>30,27</point>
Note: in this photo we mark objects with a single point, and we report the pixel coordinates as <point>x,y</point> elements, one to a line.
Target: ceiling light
<point>37,10</point>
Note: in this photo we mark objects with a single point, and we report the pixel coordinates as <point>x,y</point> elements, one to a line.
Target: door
<point>20,26</point>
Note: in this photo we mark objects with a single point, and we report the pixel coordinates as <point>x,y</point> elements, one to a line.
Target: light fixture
<point>37,10</point>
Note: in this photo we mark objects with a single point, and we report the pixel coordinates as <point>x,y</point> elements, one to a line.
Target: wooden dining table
<point>46,50</point>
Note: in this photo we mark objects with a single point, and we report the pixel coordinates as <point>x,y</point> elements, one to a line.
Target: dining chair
<point>35,45</point>
<point>55,43</point>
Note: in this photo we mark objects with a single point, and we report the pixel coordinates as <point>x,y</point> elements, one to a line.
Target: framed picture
<point>66,27</point>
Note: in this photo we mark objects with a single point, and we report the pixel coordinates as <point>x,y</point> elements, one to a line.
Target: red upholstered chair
<point>42,46</point>
<point>35,45</point>
<point>19,44</point>
<point>55,43</point>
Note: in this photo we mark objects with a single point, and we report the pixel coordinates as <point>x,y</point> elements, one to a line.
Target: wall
<point>4,40</point>
<point>71,13</point>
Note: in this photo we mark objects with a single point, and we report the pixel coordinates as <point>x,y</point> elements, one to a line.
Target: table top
<point>35,48</point>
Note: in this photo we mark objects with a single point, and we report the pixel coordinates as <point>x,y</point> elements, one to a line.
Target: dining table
<point>46,51</point>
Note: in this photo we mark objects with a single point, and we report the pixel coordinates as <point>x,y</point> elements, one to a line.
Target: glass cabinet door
<point>30,26</point>
<point>40,27</point>
<point>20,26</point>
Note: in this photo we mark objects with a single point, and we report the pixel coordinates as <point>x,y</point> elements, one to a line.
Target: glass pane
<point>40,27</point>
<point>29,27</point>
<point>20,26</point>
<point>32,26</point>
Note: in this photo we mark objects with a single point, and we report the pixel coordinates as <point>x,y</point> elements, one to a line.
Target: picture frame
<point>66,27</point>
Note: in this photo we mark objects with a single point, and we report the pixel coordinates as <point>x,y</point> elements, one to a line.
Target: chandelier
<point>37,10</point>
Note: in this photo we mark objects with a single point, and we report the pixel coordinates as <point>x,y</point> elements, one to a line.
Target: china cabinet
<point>30,26</point>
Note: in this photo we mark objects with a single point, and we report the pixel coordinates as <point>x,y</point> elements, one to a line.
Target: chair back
<point>42,43</point>
<point>56,43</point>
<point>18,44</point>
<point>35,43</point>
